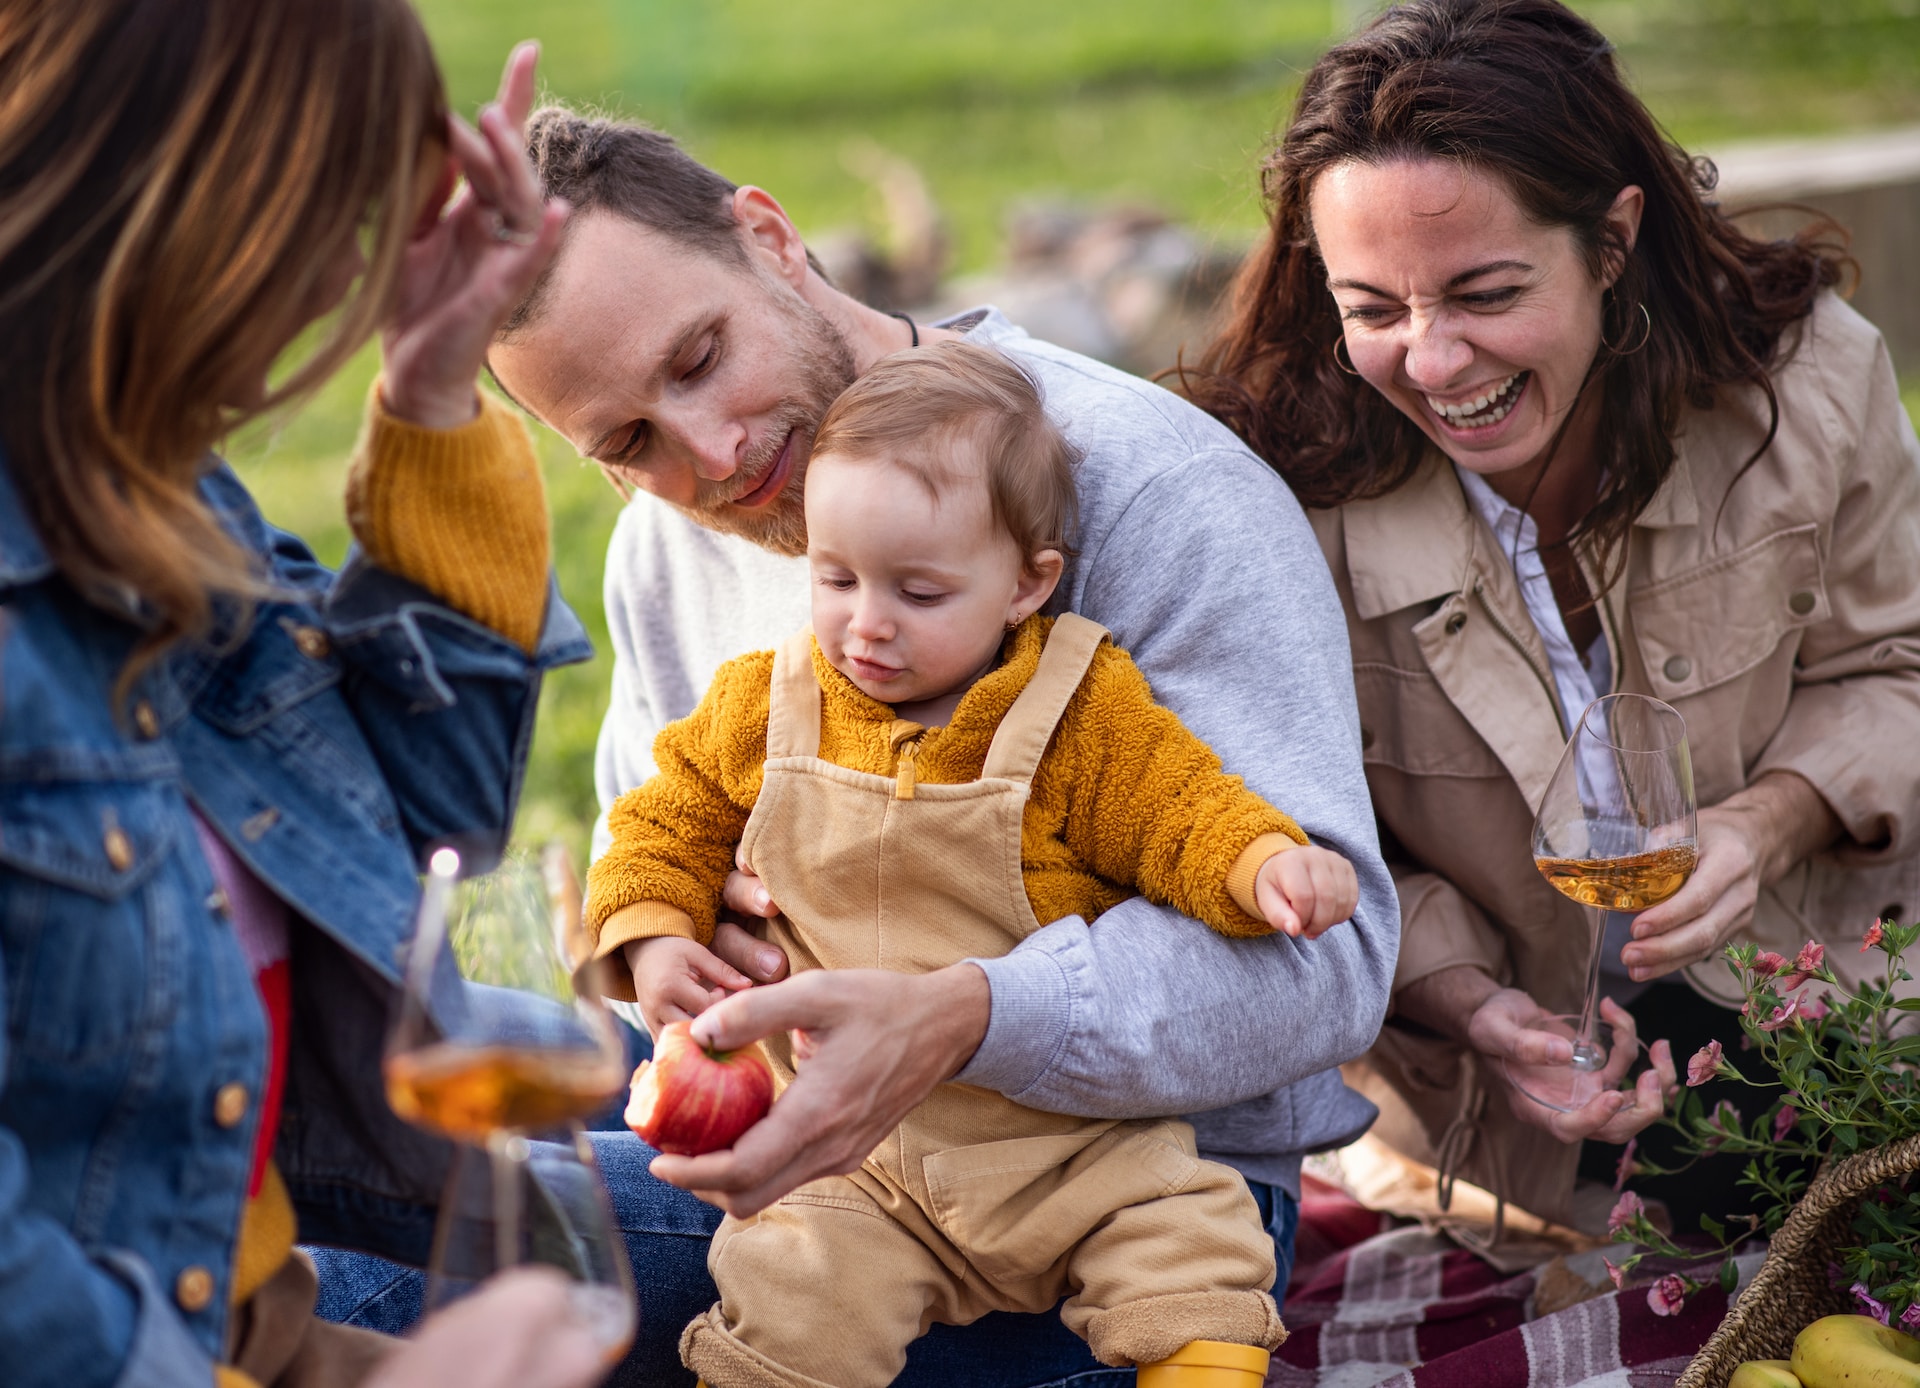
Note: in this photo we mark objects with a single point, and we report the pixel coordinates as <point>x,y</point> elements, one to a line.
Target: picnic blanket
<point>1410,1308</point>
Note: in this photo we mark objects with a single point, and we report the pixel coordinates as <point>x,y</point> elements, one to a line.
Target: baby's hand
<point>1306,891</point>
<point>677,979</point>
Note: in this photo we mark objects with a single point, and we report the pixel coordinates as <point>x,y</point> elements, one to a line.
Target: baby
<point>931,774</point>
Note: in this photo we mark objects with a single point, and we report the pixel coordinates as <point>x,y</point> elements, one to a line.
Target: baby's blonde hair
<point>918,409</point>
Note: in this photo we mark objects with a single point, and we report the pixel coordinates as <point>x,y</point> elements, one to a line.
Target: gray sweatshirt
<point>1200,562</point>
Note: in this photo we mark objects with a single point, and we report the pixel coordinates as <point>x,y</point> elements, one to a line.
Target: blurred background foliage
<point>997,102</point>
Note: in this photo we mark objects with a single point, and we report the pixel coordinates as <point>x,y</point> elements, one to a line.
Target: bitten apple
<point>688,1099</point>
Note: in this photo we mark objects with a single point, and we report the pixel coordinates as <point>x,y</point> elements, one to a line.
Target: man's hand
<point>876,1043</point>
<point>676,979</point>
<point>1747,842</point>
<point>1306,891</point>
<point>1504,1027</point>
<point>746,896</point>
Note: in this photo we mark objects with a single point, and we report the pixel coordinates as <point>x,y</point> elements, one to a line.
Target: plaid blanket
<point>1407,1308</point>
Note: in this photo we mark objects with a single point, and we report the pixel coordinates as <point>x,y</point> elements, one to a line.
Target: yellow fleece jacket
<point>463,513</point>
<point>1125,800</point>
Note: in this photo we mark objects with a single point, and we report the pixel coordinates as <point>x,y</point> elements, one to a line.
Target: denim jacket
<point>349,724</point>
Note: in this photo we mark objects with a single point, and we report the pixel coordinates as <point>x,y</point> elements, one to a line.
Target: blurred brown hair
<point>179,179</point>
<point>932,409</point>
<point>1530,93</point>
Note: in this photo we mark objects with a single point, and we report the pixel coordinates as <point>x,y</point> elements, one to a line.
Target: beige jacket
<point>1781,616</point>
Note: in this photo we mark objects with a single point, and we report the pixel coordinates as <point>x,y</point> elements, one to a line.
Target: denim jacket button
<point>145,721</point>
<point>119,848</point>
<point>193,1289</point>
<point>230,1105</point>
<point>312,643</point>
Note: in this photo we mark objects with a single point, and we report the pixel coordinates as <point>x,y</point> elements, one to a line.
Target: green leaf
<point>1711,1226</point>
<point>1729,1276</point>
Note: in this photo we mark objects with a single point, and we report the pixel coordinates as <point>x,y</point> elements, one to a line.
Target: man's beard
<point>820,367</point>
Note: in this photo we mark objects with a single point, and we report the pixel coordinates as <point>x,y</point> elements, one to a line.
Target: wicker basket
<point>1790,1292</point>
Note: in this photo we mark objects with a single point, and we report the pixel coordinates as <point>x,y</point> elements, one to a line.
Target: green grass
<point>997,102</point>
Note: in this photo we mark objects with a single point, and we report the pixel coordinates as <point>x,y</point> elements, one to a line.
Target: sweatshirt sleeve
<point>674,836</point>
<point>1150,807</point>
<point>1213,581</point>
<point>461,512</point>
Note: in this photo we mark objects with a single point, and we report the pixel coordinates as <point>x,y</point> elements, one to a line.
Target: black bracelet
<point>912,326</point>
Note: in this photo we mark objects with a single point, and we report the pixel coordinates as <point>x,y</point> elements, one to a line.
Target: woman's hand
<point>468,269</point>
<point>1747,841</point>
<point>521,1330</point>
<point>1503,1027</point>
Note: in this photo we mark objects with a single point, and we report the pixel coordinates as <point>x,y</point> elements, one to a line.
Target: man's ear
<point>1038,578</point>
<point>1629,205</point>
<point>771,235</point>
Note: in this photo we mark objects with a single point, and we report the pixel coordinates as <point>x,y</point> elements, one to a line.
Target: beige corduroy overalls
<point>975,1203</point>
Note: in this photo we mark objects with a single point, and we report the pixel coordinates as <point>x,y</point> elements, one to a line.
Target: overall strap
<point>793,712</point>
<point>1022,737</point>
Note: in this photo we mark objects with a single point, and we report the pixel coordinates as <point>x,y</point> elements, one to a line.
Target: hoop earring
<point>1645,336</point>
<point>1347,365</point>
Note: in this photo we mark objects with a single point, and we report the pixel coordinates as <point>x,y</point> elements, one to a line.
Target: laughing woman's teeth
<point>1483,410</point>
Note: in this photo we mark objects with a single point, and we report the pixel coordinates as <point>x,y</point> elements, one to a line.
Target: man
<point>685,341</point>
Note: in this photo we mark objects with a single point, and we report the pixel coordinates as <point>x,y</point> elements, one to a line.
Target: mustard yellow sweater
<point>1125,800</point>
<point>463,513</point>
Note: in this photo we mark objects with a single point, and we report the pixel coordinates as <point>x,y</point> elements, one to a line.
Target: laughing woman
<point>219,763</point>
<point>1570,432</point>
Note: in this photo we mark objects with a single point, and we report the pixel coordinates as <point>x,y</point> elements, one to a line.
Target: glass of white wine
<point>1616,833</point>
<point>503,1043</point>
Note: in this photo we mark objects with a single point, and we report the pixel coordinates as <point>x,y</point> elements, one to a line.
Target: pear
<point>1764,1373</point>
<point>1855,1352</point>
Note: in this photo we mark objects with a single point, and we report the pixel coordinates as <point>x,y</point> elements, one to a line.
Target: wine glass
<point>503,1037</point>
<point>1616,833</point>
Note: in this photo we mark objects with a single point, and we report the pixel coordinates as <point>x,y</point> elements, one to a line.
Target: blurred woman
<point>219,763</point>
<point>1571,432</point>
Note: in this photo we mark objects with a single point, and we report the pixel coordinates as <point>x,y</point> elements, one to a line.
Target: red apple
<point>689,1099</point>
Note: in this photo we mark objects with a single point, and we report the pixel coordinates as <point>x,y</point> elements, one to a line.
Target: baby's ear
<point>1038,578</point>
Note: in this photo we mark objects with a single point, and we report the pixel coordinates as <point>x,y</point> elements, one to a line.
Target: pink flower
<point>1868,1306</point>
<point>1724,1123</point>
<point>1705,1061</point>
<point>1813,1009</point>
<point>1782,1014</point>
<point>1812,958</point>
<point>1783,1122</point>
<point>1872,937</point>
<point>1626,1210</point>
<point>1768,963</point>
<point>1667,1296</point>
<point>1619,1276</point>
<point>1910,1318</point>
<point>1624,1171</point>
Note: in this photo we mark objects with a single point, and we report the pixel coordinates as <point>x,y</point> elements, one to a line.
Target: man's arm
<point>1213,581</point>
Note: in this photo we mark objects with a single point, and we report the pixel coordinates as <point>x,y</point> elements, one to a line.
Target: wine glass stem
<point>1588,1053</point>
<point>505,1152</point>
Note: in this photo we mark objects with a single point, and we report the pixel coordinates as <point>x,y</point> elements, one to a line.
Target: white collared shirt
<point>1579,678</point>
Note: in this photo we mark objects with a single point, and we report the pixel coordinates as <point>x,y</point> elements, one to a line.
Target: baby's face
<point>911,594</point>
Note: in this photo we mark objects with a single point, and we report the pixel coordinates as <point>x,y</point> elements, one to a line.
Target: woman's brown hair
<point>1529,92</point>
<point>179,179</point>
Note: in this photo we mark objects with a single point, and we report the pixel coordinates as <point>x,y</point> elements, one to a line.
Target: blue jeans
<point>667,1231</point>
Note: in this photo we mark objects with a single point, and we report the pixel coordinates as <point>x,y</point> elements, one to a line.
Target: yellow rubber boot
<point>1207,1364</point>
